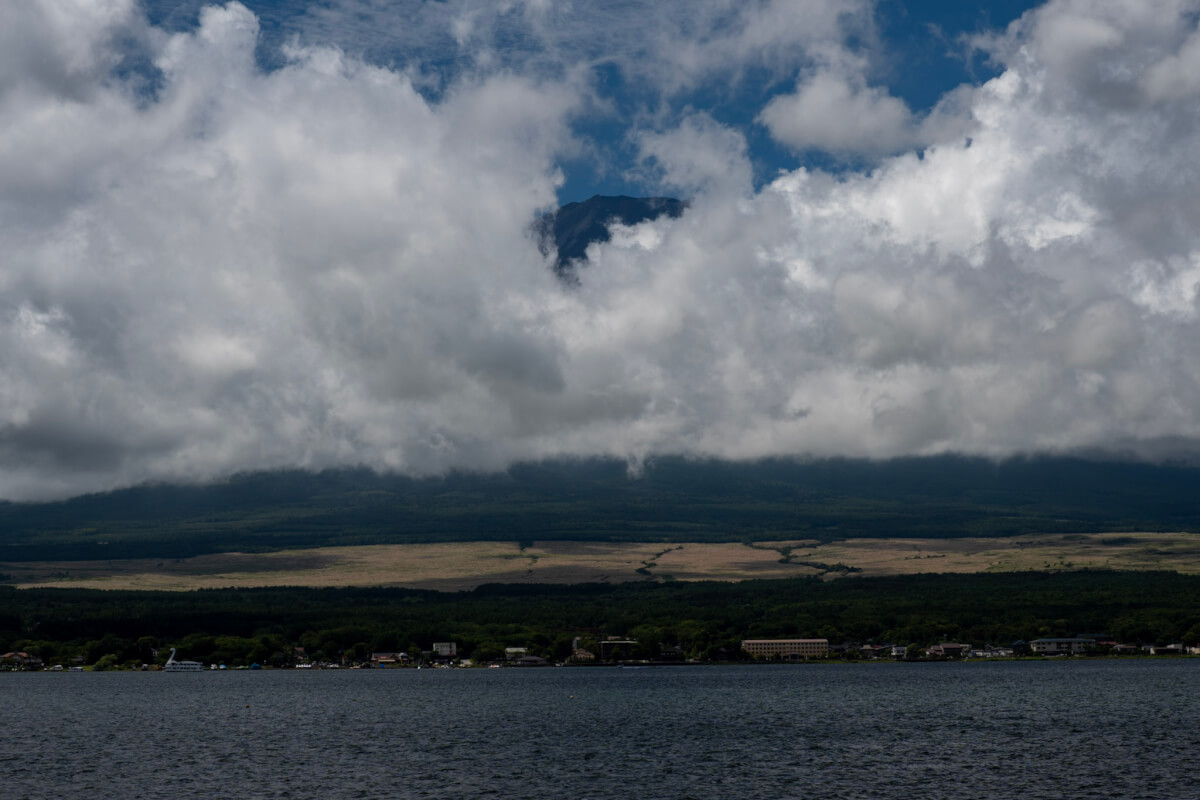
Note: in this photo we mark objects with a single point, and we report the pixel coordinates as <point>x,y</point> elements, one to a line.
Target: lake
<point>1066,728</point>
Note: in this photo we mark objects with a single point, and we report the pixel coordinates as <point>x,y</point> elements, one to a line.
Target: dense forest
<point>670,499</point>
<point>696,620</point>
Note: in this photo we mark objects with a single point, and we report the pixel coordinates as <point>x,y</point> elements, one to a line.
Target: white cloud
<point>318,265</point>
<point>666,45</point>
<point>698,156</point>
<point>839,114</point>
<point>60,46</point>
<point>1177,75</point>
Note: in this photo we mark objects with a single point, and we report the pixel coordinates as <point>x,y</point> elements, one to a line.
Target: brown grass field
<point>465,565</point>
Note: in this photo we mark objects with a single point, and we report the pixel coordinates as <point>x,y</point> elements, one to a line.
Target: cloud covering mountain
<point>210,265</point>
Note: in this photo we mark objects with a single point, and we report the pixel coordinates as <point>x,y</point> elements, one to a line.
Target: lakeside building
<point>21,660</point>
<point>991,652</point>
<point>948,650</point>
<point>791,649</point>
<point>1049,647</point>
<point>445,649</point>
<point>615,648</point>
<point>388,659</point>
<point>579,655</point>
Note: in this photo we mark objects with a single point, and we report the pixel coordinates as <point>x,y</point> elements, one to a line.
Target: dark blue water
<point>1039,729</point>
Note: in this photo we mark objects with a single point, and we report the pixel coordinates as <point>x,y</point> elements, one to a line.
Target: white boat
<point>181,666</point>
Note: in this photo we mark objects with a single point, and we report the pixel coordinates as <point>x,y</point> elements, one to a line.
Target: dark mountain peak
<point>568,231</point>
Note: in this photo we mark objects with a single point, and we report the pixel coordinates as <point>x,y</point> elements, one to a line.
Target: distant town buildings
<point>614,648</point>
<point>788,649</point>
<point>592,646</point>
<point>948,650</point>
<point>579,655</point>
<point>388,659</point>
<point>21,660</point>
<point>1053,647</point>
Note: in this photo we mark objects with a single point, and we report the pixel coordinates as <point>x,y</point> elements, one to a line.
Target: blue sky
<point>256,236</point>
<point>918,51</point>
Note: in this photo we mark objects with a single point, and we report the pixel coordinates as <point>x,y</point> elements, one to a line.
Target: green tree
<point>107,662</point>
<point>145,646</point>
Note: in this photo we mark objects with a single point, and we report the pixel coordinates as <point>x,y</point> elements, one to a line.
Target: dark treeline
<point>672,499</point>
<point>699,620</point>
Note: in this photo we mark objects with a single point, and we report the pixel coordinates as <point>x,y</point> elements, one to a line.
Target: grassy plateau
<point>457,566</point>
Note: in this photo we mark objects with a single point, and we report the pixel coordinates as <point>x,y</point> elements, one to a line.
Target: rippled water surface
<point>1038,729</point>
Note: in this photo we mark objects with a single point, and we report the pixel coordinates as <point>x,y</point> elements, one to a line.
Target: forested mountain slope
<point>672,499</point>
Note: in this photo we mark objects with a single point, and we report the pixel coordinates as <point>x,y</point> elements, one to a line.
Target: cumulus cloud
<point>60,47</point>
<point>840,114</point>
<point>835,110</point>
<point>209,266</point>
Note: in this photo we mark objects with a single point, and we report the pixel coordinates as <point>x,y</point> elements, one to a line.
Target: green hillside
<point>671,500</point>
